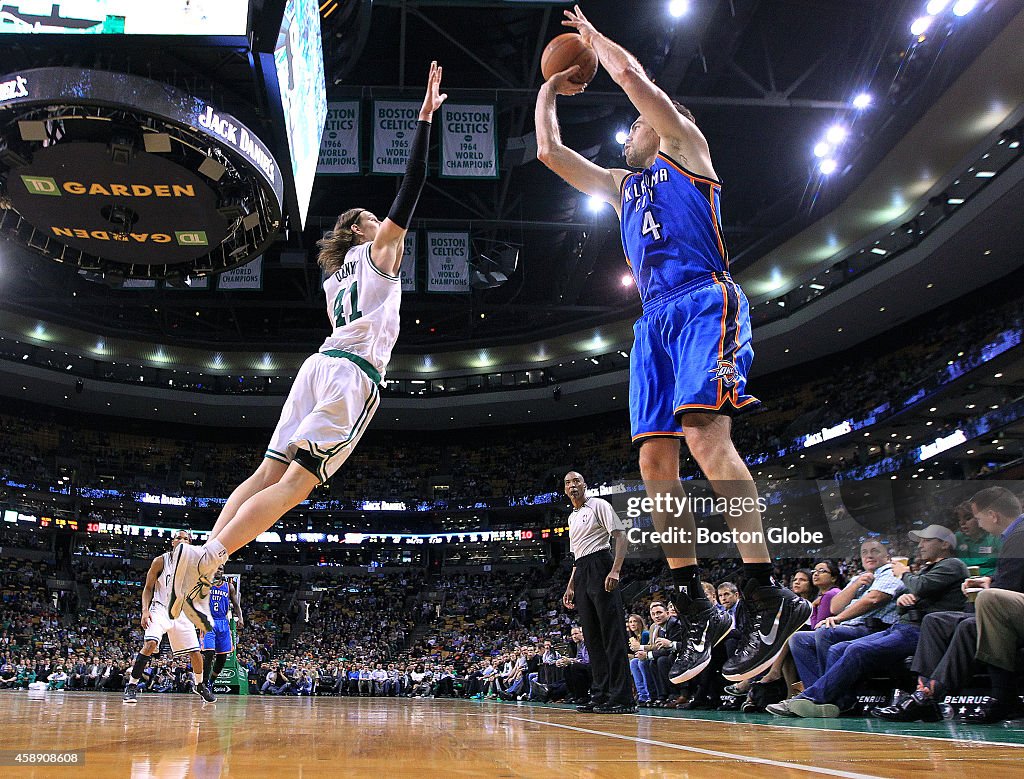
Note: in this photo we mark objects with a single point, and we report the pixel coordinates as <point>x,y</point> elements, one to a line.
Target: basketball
<point>565,51</point>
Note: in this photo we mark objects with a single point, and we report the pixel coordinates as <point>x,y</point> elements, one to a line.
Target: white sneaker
<point>192,574</point>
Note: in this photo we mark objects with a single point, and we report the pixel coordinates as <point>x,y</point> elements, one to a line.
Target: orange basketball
<point>565,51</point>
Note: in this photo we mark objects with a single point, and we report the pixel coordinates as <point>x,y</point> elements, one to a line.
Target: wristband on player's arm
<point>415,177</point>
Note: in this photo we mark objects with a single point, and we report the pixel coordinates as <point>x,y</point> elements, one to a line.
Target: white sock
<point>217,549</point>
<point>197,677</point>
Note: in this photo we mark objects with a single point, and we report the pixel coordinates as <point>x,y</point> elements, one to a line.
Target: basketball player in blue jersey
<point>336,391</point>
<point>217,643</point>
<point>691,353</point>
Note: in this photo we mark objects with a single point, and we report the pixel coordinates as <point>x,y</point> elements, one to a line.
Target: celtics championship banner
<point>339,145</point>
<point>448,262</point>
<point>469,142</point>
<point>408,271</point>
<point>394,126</point>
<point>233,678</point>
<point>248,276</point>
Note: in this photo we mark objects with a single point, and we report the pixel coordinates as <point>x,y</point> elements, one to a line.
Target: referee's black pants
<point>603,619</point>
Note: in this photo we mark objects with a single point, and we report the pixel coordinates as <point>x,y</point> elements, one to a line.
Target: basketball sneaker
<point>204,692</point>
<point>193,575</point>
<point>707,628</point>
<point>776,614</point>
<point>203,620</point>
<point>131,693</point>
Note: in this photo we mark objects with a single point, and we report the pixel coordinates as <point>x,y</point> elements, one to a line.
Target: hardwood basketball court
<point>177,737</point>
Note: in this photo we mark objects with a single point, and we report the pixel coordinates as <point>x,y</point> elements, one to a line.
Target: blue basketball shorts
<point>691,352</point>
<point>219,638</point>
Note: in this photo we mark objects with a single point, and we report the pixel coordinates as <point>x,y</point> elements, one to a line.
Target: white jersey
<point>363,305</point>
<point>164,583</point>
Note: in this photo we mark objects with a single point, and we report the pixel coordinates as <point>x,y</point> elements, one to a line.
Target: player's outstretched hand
<point>560,82</point>
<point>581,24</point>
<point>434,97</point>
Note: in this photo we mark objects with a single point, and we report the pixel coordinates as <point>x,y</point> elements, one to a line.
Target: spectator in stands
<point>8,676</point>
<point>1000,615</point>
<point>949,639</point>
<point>663,632</point>
<point>58,679</point>
<point>304,684</point>
<point>577,668</point>
<point>936,588</point>
<point>379,677</point>
<point>830,582</point>
<point>973,545</point>
<point>866,605</point>
<point>638,636</point>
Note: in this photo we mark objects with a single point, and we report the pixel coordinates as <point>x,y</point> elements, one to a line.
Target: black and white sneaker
<point>776,614</point>
<point>131,693</point>
<point>707,629</point>
<point>204,692</point>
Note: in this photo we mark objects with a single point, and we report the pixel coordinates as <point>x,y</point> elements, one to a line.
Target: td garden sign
<point>124,176</point>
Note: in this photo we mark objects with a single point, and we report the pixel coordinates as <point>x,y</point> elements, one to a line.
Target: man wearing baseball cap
<point>949,639</point>
<point>935,588</point>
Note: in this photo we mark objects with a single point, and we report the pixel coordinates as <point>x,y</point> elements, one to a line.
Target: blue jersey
<point>220,602</point>
<point>671,229</point>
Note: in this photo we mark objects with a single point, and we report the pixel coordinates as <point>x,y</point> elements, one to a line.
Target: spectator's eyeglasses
<point>822,570</point>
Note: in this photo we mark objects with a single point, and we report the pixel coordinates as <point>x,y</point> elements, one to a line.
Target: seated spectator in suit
<point>866,605</point>
<point>664,631</point>
<point>1000,615</point>
<point>577,668</point>
<point>935,588</point>
<point>8,676</point>
<point>949,639</point>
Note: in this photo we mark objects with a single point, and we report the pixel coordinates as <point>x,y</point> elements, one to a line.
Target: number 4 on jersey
<point>650,227</point>
<point>351,294</point>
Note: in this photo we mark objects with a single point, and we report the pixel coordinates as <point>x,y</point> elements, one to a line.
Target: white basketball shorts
<point>327,411</point>
<point>180,632</point>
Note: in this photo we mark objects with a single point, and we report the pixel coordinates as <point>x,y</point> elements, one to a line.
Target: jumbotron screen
<point>126,17</point>
<point>299,60</point>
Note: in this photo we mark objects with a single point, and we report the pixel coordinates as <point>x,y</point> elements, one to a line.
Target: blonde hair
<point>336,243</point>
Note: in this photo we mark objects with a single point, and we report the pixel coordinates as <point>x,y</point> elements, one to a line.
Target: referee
<point>595,575</point>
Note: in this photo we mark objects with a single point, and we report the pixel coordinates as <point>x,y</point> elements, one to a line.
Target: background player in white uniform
<point>156,622</point>
<point>335,393</point>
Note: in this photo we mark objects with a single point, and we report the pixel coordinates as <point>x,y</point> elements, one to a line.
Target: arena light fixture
<point>935,7</point>
<point>626,280</point>
<point>836,134</point>
<point>862,101</point>
<point>621,136</point>
<point>828,166</point>
<point>920,25</point>
<point>963,7</point>
<point>821,149</point>
<point>595,204</point>
<point>678,8</point>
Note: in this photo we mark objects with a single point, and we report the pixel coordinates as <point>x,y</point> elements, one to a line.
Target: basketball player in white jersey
<point>335,393</point>
<point>156,622</point>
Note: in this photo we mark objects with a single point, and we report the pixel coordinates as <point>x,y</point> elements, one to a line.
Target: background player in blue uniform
<point>217,643</point>
<point>691,352</point>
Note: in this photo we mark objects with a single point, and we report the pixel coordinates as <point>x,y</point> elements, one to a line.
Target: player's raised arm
<point>573,167</point>
<point>679,135</point>
<point>386,251</point>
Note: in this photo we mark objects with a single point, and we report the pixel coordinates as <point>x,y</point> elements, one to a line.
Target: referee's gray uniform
<point>601,613</point>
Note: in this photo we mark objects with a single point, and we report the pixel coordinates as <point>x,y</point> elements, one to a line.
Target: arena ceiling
<point>765,79</point>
